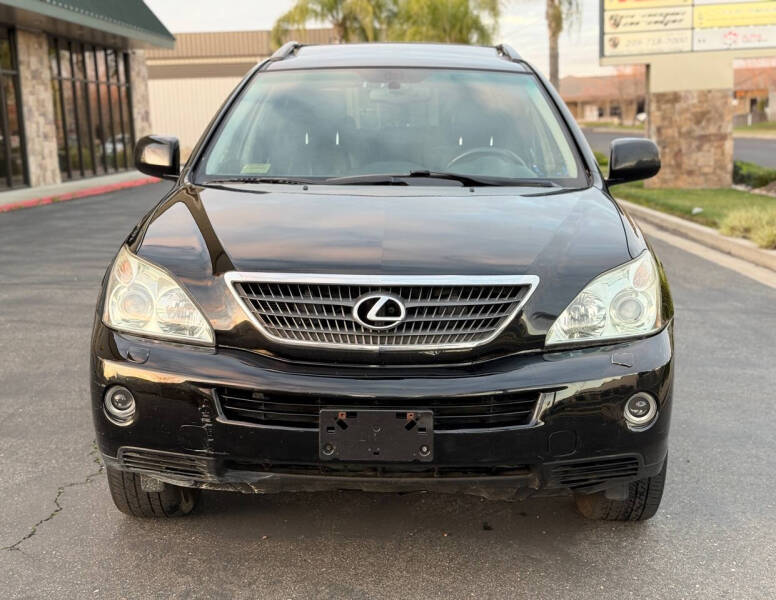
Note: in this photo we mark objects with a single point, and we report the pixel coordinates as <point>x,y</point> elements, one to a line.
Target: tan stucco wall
<point>704,67</point>
<point>772,106</point>
<point>691,72</point>
<point>202,97</point>
<point>38,106</point>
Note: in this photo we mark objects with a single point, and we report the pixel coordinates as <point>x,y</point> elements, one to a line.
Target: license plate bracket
<point>376,435</point>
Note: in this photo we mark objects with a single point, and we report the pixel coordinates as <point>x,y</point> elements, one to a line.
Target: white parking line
<point>758,274</point>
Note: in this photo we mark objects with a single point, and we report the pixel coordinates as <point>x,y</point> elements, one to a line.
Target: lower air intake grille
<point>431,312</point>
<point>592,472</point>
<point>171,464</point>
<point>507,409</point>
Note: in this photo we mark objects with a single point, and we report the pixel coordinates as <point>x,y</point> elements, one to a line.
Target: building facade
<point>201,71</point>
<point>621,97</point>
<point>615,98</point>
<point>754,95</point>
<point>73,89</point>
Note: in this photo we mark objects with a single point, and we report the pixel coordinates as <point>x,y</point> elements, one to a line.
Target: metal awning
<point>124,23</point>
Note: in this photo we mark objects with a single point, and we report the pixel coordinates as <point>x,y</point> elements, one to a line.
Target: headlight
<point>142,298</point>
<point>623,302</point>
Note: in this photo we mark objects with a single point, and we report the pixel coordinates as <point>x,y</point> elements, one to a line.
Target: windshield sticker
<point>255,169</point>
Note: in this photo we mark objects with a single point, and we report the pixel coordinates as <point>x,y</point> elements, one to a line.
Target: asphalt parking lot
<point>61,537</point>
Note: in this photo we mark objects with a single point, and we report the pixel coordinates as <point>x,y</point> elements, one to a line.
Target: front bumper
<point>577,439</point>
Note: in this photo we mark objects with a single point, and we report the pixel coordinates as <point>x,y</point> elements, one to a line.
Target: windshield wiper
<point>257,179</point>
<point>401,179</point>
<point>388,179</point>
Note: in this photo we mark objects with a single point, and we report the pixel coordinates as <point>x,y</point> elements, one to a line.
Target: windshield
<point>346,123</point>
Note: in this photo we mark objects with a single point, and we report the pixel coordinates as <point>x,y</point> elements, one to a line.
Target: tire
<point>641,504</point>
<point>129,497</point>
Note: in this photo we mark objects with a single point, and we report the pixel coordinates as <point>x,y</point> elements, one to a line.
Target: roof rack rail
<point>509,52</point>
<point>286,50</point>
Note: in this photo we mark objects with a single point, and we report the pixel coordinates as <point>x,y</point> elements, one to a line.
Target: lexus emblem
<point>379,311</point>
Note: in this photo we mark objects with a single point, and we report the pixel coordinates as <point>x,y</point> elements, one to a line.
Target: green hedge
<point>746,173</point>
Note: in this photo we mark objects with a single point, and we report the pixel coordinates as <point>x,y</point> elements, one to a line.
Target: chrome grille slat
<point>442,312</point>
<point>294,300</point>
<point>432,332</point>
<point>467,302</point>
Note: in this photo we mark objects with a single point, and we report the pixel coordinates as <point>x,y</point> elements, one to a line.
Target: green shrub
<point>741,221</point>
<point>755,223</point>
<point>765,237</point>
<point>603,160</point>
<point>746,173</point>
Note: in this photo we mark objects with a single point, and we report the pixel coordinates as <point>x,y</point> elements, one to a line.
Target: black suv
<point>387,268</point>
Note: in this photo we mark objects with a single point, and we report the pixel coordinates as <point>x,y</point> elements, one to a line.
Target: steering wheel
<point>485,151</point>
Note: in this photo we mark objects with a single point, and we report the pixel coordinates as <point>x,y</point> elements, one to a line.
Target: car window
<point>345,122</point>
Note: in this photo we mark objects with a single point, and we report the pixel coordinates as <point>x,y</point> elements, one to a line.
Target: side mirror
<point>158,156</point>
<point>632,159</point>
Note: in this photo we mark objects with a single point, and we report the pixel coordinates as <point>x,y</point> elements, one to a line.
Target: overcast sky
<point>522,26</point>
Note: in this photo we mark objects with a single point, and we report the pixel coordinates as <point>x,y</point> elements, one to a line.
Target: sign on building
<point>651,27</point>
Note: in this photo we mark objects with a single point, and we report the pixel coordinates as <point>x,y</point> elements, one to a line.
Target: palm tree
<point>453,21</point>
<point>352,20</point>
<point>558,13</point>
<point>462,21</point>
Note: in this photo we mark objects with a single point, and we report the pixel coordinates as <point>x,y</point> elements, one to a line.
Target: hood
<point>566,239</point>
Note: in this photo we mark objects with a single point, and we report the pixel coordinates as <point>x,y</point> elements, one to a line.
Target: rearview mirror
<point>632,159</point>
<point>158,156</point>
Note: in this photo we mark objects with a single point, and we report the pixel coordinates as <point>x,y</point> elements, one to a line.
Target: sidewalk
<point>81,188</point>
<point>754,135</point>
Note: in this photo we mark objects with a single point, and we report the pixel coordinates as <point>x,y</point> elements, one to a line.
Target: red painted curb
<point>93,191</point>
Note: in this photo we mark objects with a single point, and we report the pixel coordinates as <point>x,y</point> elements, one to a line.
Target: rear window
<point>346,122</point>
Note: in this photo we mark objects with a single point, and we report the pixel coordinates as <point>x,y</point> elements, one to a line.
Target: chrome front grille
<point>442,312</point>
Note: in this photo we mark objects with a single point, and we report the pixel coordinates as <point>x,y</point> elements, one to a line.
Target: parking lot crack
<point>95,456</point>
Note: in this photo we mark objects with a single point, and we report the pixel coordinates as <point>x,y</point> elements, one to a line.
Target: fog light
<point>119,405</point>
<point>640,409</point>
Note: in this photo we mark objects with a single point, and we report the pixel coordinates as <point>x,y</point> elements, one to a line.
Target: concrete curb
<point>81,193</point>
<point>635,132</point>
<point>740,248</point>
<point>754,135</point>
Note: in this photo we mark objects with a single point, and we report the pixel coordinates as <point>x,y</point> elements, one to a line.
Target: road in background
<point>761,151</point>
<point>712,538</point>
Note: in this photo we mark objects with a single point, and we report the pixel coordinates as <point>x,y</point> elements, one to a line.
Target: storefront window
<point>94,123</point>
<point>13,167</point>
